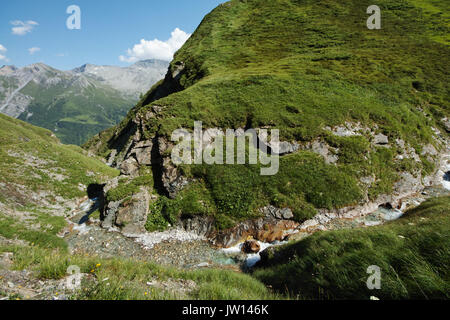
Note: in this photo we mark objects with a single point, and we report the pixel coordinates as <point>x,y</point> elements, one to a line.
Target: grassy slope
<point>30,155</point>
<point>46,253</point>
<point>33,165</point>
<point>127,279</point>
<point>300,66</point>
<point>412,253</point>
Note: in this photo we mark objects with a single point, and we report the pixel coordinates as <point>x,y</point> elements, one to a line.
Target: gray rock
<point>109,214</point>
<point>446,124</point>
<point>381,139</point>
<point>429,149</point>
<point>323,149</point>
<point>287,213</point>
<point>129,167</point>
<point>407,184</point>
<point>200,225</point>
<point>132,214</point>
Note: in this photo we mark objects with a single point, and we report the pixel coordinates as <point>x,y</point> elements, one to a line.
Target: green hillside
<point>302,66</point>
<point>38,178</point>
<point>33,161</point>
<point>411,252</point>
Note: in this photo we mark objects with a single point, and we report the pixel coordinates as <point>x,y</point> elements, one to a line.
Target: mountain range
<point>75,104</point>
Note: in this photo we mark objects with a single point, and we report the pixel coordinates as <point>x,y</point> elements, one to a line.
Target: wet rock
<point>263,229</point>
<point>251,246</point>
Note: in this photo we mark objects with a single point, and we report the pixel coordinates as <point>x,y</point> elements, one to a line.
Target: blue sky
<point>108,29</point>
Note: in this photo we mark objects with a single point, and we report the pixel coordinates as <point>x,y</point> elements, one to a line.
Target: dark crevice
<point>157,168</point>
<point>447,176</point>
<point>386,205</point>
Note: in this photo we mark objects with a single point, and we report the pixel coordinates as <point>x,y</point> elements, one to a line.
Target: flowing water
<point>187,250</point>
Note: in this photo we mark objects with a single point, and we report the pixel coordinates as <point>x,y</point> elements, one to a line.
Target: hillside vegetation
<point>411,252</point>
<point>39,177</point>
<point>300,67</point>
<point>33,160</point>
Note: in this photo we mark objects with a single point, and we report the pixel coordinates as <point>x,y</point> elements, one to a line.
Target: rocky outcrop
<point>131,215</point>
<point>380,139</point>
<point>274,212</point>
<point>251,246</point>
<point>446,123</point>
<point>263,229</point>
<point>329,154</point>
<point>202,226</point>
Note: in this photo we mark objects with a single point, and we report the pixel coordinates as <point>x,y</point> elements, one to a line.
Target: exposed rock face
<point>132,214</point>
<point>109,214</point>
<point>323,149</point>
<point>251,246</point>
<point>446,124</point>
<point>271,211</point>
<point>203,226</point>
<point>264,230</point>
<point>274,226</point>
<point>129,167</point>
<point>380,139</point>
<point>129,214</point>
<point>429,149</point>
<point>348,129</point>
<point>134,79</point>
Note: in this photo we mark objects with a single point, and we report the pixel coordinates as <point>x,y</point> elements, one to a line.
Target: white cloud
<point>21,28</point>
<point>156,49</point>
<point>34,50</point>
<point>2,56</point>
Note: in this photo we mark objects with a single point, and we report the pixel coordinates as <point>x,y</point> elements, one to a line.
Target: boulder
<point>323,149</point>
<point>381,139</point>
<point>273,212</point>
<point>446,124</point>
<point>286,213</point>
<point>251,246</point>
<point>129,167</point>
<point>132,214</point>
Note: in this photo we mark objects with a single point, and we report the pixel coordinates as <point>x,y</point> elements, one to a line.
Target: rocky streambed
<point>192,244</point>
